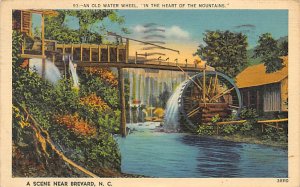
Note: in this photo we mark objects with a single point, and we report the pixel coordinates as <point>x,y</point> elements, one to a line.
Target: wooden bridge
<point>93,55</point>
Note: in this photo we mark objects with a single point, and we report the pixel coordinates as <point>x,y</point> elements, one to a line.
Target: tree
<point>268,50</point>
<point>225,51</point>
<point>56,29</point>
<point>284,48</point>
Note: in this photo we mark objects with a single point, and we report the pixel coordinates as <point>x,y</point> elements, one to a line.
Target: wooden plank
<point>117,54</point>
<point>72,51</point>
<point>99,53</point>
<point>108,54</point>
<point>81,51</point>
<point>231,122</point>
<point>221,94</point>
<point>91,54</point>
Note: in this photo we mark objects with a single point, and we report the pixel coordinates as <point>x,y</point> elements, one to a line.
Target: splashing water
<point>171,121</point>
<point>74,74</point>
<point>52,73</point>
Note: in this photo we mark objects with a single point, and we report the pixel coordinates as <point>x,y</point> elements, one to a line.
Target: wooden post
<point>118,53</point>
<point>108,54</point>
<point>127,49</point>
<point>99,53</point>
<point>72,51</point>
<point>64,51</point>
<point>81,51</point>
<point>43,48</point>
<point>122,102</point>
<point>90,54</point>
<point>43,36</point>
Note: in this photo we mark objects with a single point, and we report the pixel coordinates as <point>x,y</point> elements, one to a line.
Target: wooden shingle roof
<point>256,75</point>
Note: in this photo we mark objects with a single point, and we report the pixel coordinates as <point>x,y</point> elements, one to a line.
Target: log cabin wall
<point>26,22</point>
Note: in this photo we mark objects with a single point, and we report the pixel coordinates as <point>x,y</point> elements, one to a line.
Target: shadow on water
<point>216,158</point>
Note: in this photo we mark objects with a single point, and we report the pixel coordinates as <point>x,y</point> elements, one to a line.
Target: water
<point>177,155</point>
<point>74,75</point>
<point>171,123</point>
<point>52,73</point>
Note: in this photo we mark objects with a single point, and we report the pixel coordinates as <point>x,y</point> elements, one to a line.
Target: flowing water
<point>74,74</point>
<point>52,73</point>
<point>146,151</point>
<point>171,122</point>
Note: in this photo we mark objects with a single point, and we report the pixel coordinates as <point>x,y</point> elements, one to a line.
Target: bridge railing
<point>93,52</point>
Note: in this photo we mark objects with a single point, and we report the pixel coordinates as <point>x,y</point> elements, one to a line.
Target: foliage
<point>269,52</point>
<point>94,84</point>
<point>229,129</point>
<point>94,102</point>
<point>225,51</point>
<point>248,114</point>
<point>206,130</point>
<point>215,118</point>
<point>56,28</point>
<point>105,74</point>
<point>77,126</point>
<point>274,135</point>
<point>284,48</point>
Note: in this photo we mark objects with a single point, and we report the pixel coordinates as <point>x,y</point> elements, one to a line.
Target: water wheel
<point>206,95</point>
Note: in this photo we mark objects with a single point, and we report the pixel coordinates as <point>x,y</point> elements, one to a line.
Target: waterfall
<point>74,74</point>
<point>52,73</point>
<point>171,121</point>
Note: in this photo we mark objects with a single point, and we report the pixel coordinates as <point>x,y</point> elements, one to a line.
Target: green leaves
<point>44,101</point>
<point>269,52</point>
<point>88,20</point>
<point>225,51</point>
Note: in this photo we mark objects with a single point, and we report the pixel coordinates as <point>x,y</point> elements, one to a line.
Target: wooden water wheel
<point>209,94</point>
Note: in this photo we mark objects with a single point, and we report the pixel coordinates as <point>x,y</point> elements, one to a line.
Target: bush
<point>54,106</point>
<point>228,129</point>
<point>206,130</point>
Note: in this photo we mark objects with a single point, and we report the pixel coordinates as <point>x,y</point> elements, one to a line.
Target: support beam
<point>43,68</point>
<point>122,102</point>
<point>127,49</point>
<point>43,34</point>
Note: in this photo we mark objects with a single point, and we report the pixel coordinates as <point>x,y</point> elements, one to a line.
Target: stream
<point>150,152</point>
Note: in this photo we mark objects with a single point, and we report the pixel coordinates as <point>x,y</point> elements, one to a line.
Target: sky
<point>184,29</point>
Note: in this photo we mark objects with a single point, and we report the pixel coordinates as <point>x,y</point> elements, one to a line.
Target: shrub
<point>206,130</point>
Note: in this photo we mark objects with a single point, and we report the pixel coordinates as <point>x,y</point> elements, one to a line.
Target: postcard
<point>149,93</point>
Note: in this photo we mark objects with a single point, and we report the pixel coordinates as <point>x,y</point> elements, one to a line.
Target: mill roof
<point>256,75</point>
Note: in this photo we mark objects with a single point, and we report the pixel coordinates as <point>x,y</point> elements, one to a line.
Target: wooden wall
<point>272,98</point>
<point>284,94</point>
<point>266,98</point>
